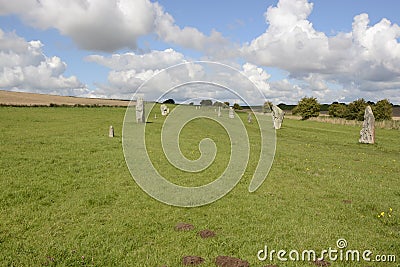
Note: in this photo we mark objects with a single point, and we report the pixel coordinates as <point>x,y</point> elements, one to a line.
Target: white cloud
<point>189,37</point>
<point>129,71</point>
<point>110,25</point>
<point>24,67</point>
<point>128,61</point>
<point>368,58</point>
<point>93,25</point>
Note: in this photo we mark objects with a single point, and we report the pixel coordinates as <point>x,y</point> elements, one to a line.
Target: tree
<point>307,107</point>
<point>206,102</point>
<point>382,110</point>
<point>237,106</point>
<point>226,104</point>
<point>337,110</point>
<point>355,110</point>
<point>169,101</point>
<point>218,104</point>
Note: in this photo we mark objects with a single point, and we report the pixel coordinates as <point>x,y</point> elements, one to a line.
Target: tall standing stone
<point>277,116</point>
<point>140,110</point>
<point>367,133</point>
<point>219,111</point>
<point>111,131</point>
<point>231,113</point>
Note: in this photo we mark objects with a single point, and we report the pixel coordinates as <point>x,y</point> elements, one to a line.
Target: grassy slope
<point>67,198</point>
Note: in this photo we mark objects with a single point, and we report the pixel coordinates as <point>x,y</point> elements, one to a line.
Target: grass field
<point>67,197</point>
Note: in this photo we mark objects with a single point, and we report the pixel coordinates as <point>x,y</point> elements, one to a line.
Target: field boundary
<point>9,98</point>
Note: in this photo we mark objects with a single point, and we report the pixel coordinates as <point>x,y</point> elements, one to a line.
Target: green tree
<point>382,110</point>
<point>237,106</point>
<point>307,107</point>
<point>169,101</point>
<point>206,102</point>
<point>337,110</point>
<point>218,104</point>
<point>226,104</point>
<point>355,110</point>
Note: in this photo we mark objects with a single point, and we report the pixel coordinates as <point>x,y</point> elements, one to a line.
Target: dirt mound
<point>184,227</point>
<point>192,260</point>
<point>206,233</point>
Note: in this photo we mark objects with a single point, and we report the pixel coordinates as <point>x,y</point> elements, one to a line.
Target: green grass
<point>67,197</point>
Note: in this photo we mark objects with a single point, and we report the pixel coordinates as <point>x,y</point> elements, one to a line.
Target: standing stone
<point>277,116</point>
<point>231,113</point>
<point>367,133</point>
<point>111,131</point>
<point>249,118</point>
<point>140,110</point>
<point>219,111</point>
<point>164,110</point>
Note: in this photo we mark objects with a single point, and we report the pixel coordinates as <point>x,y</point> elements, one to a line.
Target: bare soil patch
<point>206,233</point>
<point>184,227</point>
<point>192,260</point>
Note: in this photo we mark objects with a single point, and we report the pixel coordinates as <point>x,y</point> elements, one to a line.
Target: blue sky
<point>333,50</point>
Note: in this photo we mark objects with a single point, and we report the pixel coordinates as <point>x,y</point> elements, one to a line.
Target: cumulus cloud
<point>24,67</point>
<point>138,62</point>
<point>93,25</point>
<point>190,37</point>
<point>110,25</point>
<point>365,59</point>
<point>129,71</point>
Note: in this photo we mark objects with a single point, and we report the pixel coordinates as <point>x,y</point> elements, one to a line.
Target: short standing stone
<point>249,118</point>
<point>231,113</point>
<point>111,131</point>
<point>140,110</point>
<point>277,116</point>
<point>367,133</point>
<point>164,110</point>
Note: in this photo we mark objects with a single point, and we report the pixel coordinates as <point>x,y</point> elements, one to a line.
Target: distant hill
<point>31,99</point>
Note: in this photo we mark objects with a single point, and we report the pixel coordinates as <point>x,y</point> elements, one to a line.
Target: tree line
<point>309,107</point>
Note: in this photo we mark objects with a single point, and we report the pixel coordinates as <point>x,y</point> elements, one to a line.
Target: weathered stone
<point>277,116</point>
<point>111,131</point>
<point>367,133</point>
<point>249,118</point>
<point>219,111</point>
<point>164,110</point>
<point>231,113</point>
<point>140,110</point>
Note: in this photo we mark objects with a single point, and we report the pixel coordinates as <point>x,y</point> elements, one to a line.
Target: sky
<point>339,50</point>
